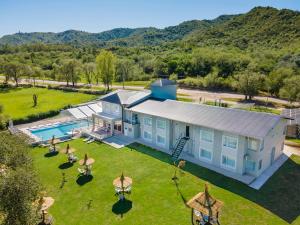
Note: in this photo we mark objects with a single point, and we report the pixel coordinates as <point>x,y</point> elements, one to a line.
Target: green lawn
<point>132,83</point>
<point>155,198</point>
<point>296,140</point>
<point>183,99</point>
<point>18,103</point>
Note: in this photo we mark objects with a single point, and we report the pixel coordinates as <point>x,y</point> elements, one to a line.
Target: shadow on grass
<point>122,207</point>
<point>83,179</point>
<point>65,165</point>
<point>280,194</point>
<point>51,154</point>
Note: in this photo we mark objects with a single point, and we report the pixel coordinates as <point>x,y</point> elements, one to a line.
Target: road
<point>189,93</point>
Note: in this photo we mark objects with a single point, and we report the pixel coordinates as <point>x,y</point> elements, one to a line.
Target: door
<point>272,155</point>
<point>187,131</point>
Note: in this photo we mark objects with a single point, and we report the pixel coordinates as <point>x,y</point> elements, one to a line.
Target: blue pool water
<point>59,130</point>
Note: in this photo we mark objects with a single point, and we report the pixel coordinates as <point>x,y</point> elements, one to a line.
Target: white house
<point>236,143</point>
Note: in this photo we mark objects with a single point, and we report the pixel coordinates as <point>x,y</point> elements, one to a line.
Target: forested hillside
<point>252,52</point>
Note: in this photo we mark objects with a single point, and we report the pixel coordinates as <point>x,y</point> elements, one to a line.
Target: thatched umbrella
<point>86,161</point>
<point>122,182</point>
<point>54,141</point>
<point>45,203</point>
<point>68,150</point>
<point>203,205</point>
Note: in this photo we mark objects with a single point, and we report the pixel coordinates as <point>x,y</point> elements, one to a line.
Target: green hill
<point>263,26</point>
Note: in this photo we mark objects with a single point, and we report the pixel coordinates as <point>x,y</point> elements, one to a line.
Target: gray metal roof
<point>241,122</point>
<point>163,82</point>
<point>125,97</point>
<point>294,114</point>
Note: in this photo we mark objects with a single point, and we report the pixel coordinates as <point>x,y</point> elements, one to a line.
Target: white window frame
<point>250,141</point>
<point>163,121</point>
<point>147,139</point>
<point>204,158</point>
<point>228,166</point>
<point>209,131</point>
<point>150,119</point>
<point>252,161</point>
<point>158,143</point>
<point>225,146</point>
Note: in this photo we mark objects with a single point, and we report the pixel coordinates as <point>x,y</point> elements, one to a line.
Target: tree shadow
<point>280,194</point>
<point>51,154</point>
<point>65,165</point>
<point>121,207</point>
<point>83,179</point>
<point>179,192</point>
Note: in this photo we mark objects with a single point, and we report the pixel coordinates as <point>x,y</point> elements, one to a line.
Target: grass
<point>18,103</point>
<point>155,199</point>
<point>263,109</point>
<point>296,140</point>
<point>132,83</point>
<point>185,99</point>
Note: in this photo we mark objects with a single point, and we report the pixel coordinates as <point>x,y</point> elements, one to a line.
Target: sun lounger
<point>90,141</point>
<point>87,139</point>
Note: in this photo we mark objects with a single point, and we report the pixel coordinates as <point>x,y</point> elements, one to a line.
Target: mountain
<point>263,26</point>
<point>118,36</point>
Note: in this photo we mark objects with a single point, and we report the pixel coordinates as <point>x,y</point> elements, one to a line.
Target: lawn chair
<point>72,158</point>
<point>81,171</point>
<point>87,139</point>
<point>52,149</point>
<point>90,141</point>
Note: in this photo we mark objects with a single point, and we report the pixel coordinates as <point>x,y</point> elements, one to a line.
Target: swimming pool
<point>59,130</point>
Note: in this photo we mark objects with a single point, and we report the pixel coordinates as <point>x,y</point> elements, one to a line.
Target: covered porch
<point>106,124</point>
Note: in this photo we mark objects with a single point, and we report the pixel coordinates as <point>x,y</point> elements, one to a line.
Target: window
<point>205,154</point>
<point>252,144</point>
<point>250,165</point>
<point>260,164</point>
<point>206,136</point>
<point>115,109</point>
<point>148,121</point>
<point>160,140</point>
<point>230,142</point>
<point>228,162</point>
<point>161,124</point>
<point>147,135</point>
<point>262,145</point>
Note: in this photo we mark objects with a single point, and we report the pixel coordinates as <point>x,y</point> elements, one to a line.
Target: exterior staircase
<point>179,147</point>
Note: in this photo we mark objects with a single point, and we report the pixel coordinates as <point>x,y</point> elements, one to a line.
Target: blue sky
<point>100,15</point>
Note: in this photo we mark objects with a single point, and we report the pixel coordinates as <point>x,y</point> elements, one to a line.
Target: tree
<point>19,187</point>
<point>74,69</point>
<point>124,68</point>
<point>275,80</point>
<point>249,83</point>
<point>89,71</point>
<point>69,71</point>
<point>291,89</point>
<point>13,70</point>
<point>106,66</point>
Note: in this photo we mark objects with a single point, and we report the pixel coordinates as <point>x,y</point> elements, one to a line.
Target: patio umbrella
<point>205,204</point>
<point>122,182</point>
<point>68,150</point>
<point>86,161</point>
<point>45,203</point>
